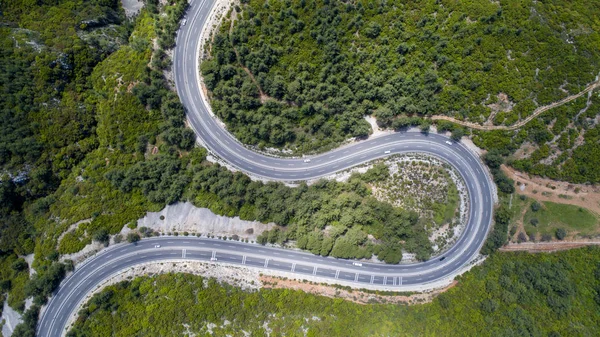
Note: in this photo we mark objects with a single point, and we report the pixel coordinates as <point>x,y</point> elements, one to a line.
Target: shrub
<point>19,265</point>
<point>560,233</point>
<point>101,236</point>
<point>133,237</point>
<point>118,238</point>
<point>535,206</point>
<point>69,265</point>
<point>457,134</point>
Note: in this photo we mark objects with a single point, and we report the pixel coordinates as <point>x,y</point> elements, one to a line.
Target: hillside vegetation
<point>512,294</point>
<point>94,138</point>
<point>302,74</point>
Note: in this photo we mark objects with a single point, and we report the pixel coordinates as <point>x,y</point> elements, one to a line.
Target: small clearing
<point>542,189</point>
<point>185,217</point>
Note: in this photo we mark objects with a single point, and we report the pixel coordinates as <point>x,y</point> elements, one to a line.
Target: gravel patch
<point>132,7</point>
<point>11,319</point>
<point>185,217</point>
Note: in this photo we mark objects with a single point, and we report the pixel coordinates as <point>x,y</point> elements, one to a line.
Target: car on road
<point>183,22</point>
<point>442,258</point>
<point>388,151</point>
<point>156,246</point>
<point>448,142</point>
<point>358,264</point>
<point>213,259</point>
<point>307,160</point>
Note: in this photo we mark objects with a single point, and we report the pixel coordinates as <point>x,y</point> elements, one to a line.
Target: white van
<point>358,264</point>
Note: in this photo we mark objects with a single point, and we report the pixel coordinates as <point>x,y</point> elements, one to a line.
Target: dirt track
<point>586,196</point>
<point>546,247</point>
<point>519,124</point>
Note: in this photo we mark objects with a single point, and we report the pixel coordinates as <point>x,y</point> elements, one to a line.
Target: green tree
<point>560,233</point>
<point>133,237</point>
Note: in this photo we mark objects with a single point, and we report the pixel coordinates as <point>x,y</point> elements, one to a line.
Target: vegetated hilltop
<point>512,294</point>
<point>302,74</point>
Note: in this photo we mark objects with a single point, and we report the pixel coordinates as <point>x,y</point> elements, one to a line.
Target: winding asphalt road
<point>222,144</point>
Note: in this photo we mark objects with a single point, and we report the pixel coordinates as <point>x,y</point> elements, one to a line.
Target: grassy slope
<point>512,294</point>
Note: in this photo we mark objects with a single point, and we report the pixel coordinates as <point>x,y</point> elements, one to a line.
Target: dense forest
<point>303,74</point>
<point>67,73</point>
<point>47,126</point>
<point>94,136</point>
<point>326,218</point>
<point>510,295</point>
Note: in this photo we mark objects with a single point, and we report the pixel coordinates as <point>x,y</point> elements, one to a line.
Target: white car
<point>213,259</point>
<point>358,264</point>
<point>183,22</point>
<point>156,246</point>
<point>307,160</point>
<point>448,142</point>
<point>388,151</point>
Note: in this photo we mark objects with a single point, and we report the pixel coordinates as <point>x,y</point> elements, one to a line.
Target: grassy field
<point>551,216</point>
